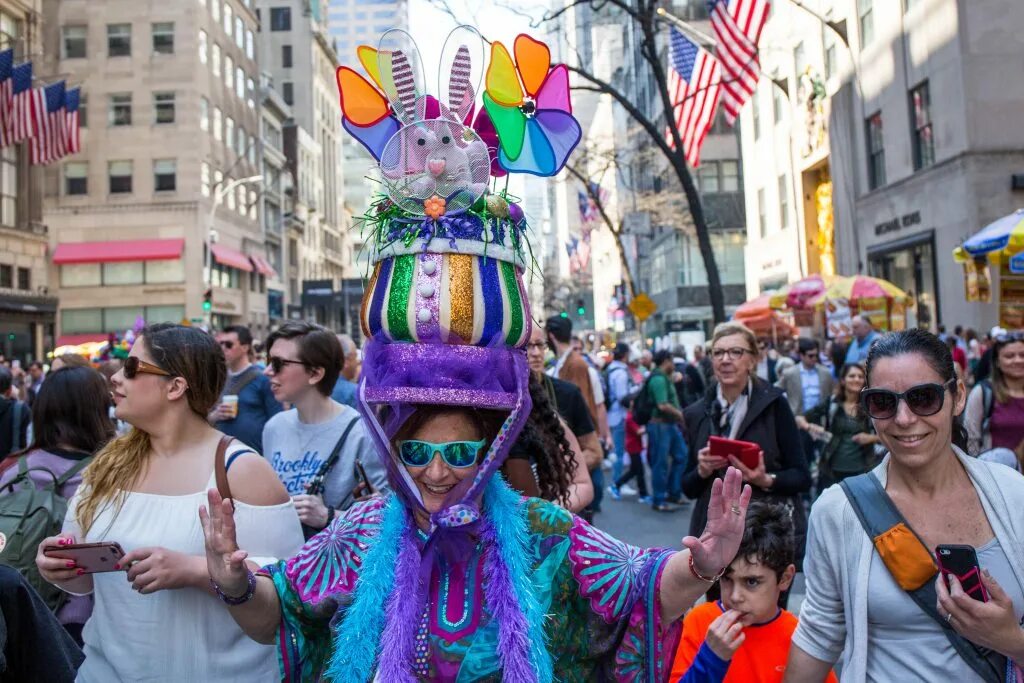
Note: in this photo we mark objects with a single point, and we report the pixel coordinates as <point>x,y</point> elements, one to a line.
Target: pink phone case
<point>92,558</point>
<point>969,581</point>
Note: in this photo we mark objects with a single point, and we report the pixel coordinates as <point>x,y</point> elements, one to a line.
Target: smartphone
<point>93,558</point>
<point>962,562</point>
<point>361,478</point>
<point>746,451</point>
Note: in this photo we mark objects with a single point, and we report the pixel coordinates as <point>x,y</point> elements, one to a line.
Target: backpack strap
<point>16,426</point>
<point>220,470</point>
<point>72,471</point>
<point>879,516</point>
<point>987,398</point>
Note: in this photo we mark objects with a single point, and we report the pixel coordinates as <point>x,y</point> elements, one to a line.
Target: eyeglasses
<point>734,353</point>
<point>227,345</point>
<point>923,400</point>
<point>277,363</point>
<point>458,454</point>
<point>537,346</point>
<point>133,366</point>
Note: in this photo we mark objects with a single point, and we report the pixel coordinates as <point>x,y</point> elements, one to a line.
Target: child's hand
<point>725,635</point>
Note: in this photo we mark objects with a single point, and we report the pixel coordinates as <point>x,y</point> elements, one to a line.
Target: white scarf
<point>734,414</point>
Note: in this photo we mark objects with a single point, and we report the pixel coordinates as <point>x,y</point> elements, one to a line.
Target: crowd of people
<point>234,565</point>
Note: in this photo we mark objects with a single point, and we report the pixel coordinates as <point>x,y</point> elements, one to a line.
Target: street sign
<point>642,307</point>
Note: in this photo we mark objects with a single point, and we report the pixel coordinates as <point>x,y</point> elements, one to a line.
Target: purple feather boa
<point>405,605</point>
<point>513,631</point>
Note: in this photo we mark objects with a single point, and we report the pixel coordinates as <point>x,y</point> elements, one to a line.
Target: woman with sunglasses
<point>157,616</point>
<point>743,406</point>
<point>857,607</point>
<point>995,407</point>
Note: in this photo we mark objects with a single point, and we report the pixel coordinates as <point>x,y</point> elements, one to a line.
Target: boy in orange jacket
<point>745,637</point>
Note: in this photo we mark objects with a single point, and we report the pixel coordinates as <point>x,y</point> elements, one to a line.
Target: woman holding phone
<point>914,400</point>
<point>157,616</point>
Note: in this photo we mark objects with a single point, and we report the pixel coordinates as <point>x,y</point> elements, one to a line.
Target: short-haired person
<point>745,636</point>
<point>36,375</point>
<point>807,384</point>
<point>864,336</point>
<point>12,438</point>
<point>994,416</point>
<point>246,403</point>
<point>666,448</point>
<point>855,607</point>
<point>345,389</point>
<point>618,380</point>
<point>303,363</point>
<point>158,618</point>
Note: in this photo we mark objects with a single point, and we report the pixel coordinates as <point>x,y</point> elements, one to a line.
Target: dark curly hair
<point>542,437</point>
<point>769,537</point>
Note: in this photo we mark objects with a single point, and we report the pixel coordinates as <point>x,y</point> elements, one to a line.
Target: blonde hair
<point>184,352</point>
<point>727,329</point>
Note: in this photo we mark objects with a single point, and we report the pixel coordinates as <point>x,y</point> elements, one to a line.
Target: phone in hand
<point>961,561</point>
<point>91,558</point>
<point>746,452</point>
<point>363,481</point>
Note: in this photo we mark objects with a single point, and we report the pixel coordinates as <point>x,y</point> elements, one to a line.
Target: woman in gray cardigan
<point>854,608</point>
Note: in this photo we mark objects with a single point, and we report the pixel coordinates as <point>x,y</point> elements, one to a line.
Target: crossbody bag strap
<point>877,514</point>
<point>251,373</point>
<point>316,485</point>
<point>220,471</point>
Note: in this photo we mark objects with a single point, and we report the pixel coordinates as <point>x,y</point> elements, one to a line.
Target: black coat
<point>769,423</point>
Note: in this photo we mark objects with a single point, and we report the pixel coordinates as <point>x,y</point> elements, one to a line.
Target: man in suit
<point>806,384</point>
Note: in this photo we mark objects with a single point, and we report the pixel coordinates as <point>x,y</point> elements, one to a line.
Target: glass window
<point>239,83</point>
<point>777,104</point>
<point>76,178</point>
<point>165,314</point>
<point>24,279</point>
<point>119,40</point>
<point>82,320</point>
<point>730,176</point>
<point>242,205</point>
<point>229,72</point>
<point>251,149</point>
<point>252,205</point>
<point>799,59</point>
<point>120,109</point>
<point>165,270</point>
<point>229,132</point>
<point>165,175</point>
<point>218,123</point>
<point>83,110</point>
<point>286,56</point>
<point>122,318</point>
<point>231,198</point>
<point>73,43</point>
<point>204,179</point>
<point>829,40</point>
<point>163,37</point>
<point>203,47</point>
<point>228,16</point>
<point>921,133</point>
<point>81,275</point>
<point>241,142</point>
<point>204,114</point>
<point>249,49</point>
<point>755,111</point>
<point>120,175</point>
<point>250,87</point>
<point>287,93</point>
<point>866,19</point>
<point>163,106</point>
<point>215,60</point>
<point>876,152</point>
<point>707,177</point>
<point>9,186</point>
<point>123,273</point>
<point>215,9</point>
<point>762,214</point>
<point>6,276</point>
<point>784,201</point>
<point>239,33</point>
<point>218,180</point>
<point>280,18</point>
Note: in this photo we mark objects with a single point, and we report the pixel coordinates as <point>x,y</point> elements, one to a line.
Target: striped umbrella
<point>1007,234</point>
<point>858,287</point>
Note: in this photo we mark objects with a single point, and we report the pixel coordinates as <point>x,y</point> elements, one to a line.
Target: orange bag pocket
<point>905,556</point>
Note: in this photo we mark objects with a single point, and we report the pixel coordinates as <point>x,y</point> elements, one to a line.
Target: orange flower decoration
<point>434,207</point>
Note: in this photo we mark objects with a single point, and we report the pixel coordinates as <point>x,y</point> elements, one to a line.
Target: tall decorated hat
<point>445,314</point>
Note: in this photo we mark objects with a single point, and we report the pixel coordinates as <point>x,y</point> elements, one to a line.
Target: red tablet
<point>746,451</point>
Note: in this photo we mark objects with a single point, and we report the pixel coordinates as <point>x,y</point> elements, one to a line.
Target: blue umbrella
<point>996,236</point>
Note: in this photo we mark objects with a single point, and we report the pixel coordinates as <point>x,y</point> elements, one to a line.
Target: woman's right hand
<point>224,560</point>
<point>707,463</point>
<point>55,569</point>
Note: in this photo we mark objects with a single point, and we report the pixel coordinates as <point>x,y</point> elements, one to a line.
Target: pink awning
<point>263,266</point>
<point>118,251</point>
<point>226,256</point>
<point>76,339</point>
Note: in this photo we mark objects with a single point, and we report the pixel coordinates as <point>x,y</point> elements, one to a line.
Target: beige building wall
<point>209,38</point>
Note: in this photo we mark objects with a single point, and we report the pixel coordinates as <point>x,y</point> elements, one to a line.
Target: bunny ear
<point>461,71</point>
<point>401,74</point>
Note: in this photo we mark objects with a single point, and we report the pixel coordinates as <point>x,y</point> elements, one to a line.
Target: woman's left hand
<point>862,439</point>
<point>757,476</point>
<point>156,569</point>
<point>311,510</point>
<point>991,624</point>
<point>727,514</point>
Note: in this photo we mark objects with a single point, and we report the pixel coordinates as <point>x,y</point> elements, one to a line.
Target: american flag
<point>48,115</point>
<point>6,67</point>
<point>19,122</point>
<point>694,79</point>
<point>72,135</point>
<point>737,25</point>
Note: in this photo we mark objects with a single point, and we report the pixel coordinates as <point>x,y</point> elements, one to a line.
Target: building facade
<point>161,207</point>
<point>277,199</point>
<point>28,306</point>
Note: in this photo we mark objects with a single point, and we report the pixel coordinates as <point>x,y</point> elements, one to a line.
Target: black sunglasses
<point>277,364</point>
<point>923,400</point>
<point>1010,337</point>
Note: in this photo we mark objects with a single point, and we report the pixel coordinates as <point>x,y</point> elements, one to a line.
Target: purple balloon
<point>515,212</point>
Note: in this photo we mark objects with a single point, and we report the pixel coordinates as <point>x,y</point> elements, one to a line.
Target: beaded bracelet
<point>713,579</point>
<point>244,597</point>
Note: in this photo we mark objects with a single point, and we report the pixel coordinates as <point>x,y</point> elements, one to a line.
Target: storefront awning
<point>76,339</point>
<point>117,251</point>
<point>263,266</point>
<point>226,256</point>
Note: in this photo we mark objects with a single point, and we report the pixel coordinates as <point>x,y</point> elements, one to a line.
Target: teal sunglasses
<point>458,454</point>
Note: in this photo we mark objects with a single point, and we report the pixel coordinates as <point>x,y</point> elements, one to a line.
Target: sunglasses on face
<point>133,366</point>
<point>734,353</point>
<point>277,364</point>
<point>1010,337</point>
<point>923,400</point>
<point>457,454</point>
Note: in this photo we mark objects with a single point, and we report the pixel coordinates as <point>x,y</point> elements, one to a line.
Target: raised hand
<point>224,560</point>
<point>727,513</point>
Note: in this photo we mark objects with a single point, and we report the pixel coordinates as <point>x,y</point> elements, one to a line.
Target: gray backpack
<point>27,516</point>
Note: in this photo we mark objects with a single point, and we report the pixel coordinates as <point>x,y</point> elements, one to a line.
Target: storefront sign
<point>896,224</point>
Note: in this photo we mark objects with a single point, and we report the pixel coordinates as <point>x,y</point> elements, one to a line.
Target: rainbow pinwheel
<point>528,104</point>
<point>366,114</point>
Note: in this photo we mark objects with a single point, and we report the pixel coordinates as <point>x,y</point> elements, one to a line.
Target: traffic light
<point>581,310</point>
<point>563,314</point>
<point>208,299</point>
<point>10,336</point>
